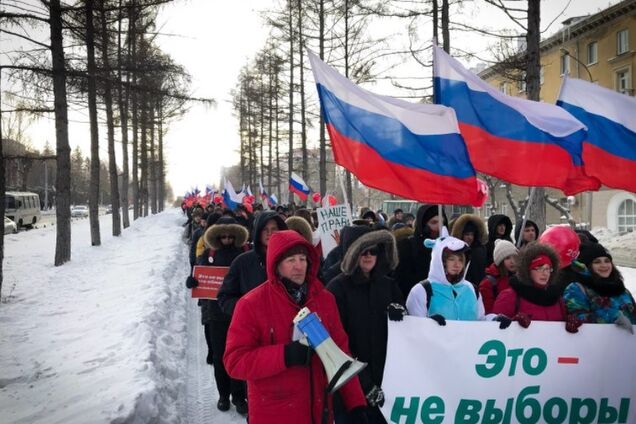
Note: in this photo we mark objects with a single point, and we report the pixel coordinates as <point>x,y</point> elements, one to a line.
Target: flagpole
<point>524,218</point>
<point>344,194</point>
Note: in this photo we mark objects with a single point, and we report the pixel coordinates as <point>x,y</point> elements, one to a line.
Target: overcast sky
<point>216,38</point>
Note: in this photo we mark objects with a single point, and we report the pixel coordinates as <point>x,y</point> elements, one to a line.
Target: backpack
<point>429,292</point>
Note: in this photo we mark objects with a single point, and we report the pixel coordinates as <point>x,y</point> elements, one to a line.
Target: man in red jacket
<point>285,381</point>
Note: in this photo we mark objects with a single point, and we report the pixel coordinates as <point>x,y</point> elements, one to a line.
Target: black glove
<point>438,319</point>
<point>297,354</point>
<point>396,312</point>
<point>358,415</point>
<point>504,321</point>
<point>191,282</point>
<point>375,397</point>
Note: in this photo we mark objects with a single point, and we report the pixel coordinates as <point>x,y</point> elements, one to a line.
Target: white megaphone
<point>339,366</point>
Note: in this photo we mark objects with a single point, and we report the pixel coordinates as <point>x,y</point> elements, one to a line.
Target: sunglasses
<point>226,237</point>
<point>372,251</point>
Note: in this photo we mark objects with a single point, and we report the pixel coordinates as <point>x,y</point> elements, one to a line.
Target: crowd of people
<point>382,268</point>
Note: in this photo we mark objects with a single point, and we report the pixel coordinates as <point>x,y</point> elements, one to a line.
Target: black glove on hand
<point>191,282</point>
<point>504,321</point>
<point>358,415</point>
<point>375,397</point>
<point>396,312</point>
<point>438,319</point>
<point>297,354</point>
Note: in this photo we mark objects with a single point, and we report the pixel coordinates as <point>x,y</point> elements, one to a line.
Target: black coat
<point>493,221</point>
<point>248,269</point>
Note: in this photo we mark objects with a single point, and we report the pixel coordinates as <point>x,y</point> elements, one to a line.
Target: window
<point>9,202</point>
<point>622,41</point>
<point>541,76</point>
<point>503,87</point>
<point>521,84</point>
<point>627,216</point>
<point>623,81</point>
<point>592,53</point>
<point>565,64</point>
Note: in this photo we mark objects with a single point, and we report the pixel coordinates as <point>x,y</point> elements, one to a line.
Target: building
<point>601,48</point>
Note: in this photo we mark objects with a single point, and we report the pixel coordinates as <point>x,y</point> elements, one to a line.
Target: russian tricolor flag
<point>410,149</point>
<point>609,152</point>
<point>268,200</point>
<point>230,197</point>
<point>297,186</point>
<point>524,142</point>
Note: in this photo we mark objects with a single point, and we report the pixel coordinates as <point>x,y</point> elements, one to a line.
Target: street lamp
<point>567,53</point>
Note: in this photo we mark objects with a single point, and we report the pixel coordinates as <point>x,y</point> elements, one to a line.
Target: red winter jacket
<point>507,300</point>
<point>488,294</point>
<point>262,325</point>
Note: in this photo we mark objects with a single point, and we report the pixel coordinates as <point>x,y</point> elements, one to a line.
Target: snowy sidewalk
<point>102,338</point>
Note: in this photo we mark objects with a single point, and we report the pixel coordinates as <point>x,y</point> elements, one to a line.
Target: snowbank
<point>623,247</point>
<point>102,338</point>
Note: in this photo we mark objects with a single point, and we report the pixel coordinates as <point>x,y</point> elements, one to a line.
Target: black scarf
<point>543,296</point>
<point>607,287</point>
<point>298,293</point>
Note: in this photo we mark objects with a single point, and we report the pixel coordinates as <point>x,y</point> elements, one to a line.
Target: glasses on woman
<point>542,269</point>
<point>373,251</point>
<point>226,237</point>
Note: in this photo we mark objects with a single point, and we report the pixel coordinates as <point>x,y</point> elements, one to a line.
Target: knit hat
<point>591,251</point>
<point>503,249</point>
<point>540,260</point>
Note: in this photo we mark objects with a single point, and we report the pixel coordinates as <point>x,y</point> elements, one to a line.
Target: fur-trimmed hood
<point>460,223</point>
<point>387,259</point>
<point>528,253</point>
<point>301,226</point>
<point>403,233</point>
<point>225,226</point>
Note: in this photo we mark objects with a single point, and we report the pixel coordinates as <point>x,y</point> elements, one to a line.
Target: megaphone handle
<point>345,366</point>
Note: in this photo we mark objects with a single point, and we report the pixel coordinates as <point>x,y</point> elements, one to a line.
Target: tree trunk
<point>123,116</point>
<point>348,180</point>
<point>445,30</point>
<point>303,118</point>
<point>143,187</point>
<point>2,192</point>
<point>290,159</point>
<point>269,130</point>
<point>153,164</point>
<point>110,125</point>
<point>538,207</point>
<point>132,18</point>
<point>276,111</point>
<point>161,177</point>
<point>62,147</point>
<point>323,142</point>
<point>435,22</point>
<point>93,195</point>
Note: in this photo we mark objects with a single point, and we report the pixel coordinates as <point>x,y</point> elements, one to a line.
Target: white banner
<point>473,372</point>
<point>331,221</point>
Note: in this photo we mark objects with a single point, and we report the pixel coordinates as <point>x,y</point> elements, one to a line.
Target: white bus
<point>22,208</point>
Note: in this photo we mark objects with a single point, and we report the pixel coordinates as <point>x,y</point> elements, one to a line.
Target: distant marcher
<point>472,230</point>
<point>530,232</point>
<point>499,227</point>
<point>398,216</point>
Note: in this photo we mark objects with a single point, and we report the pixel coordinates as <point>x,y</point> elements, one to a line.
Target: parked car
<point>80,211</point>
<point>10,227</point>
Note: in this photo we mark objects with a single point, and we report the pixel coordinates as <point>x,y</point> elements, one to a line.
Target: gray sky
<point>218,37</point>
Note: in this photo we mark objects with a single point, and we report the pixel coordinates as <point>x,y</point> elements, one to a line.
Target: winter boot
<point>241,406</point>
<point>223,404</point>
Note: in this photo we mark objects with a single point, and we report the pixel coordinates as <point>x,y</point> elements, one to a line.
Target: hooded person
<point>498,273</point>
<point>472,230</point>
<point>446,294</point>
<point>224,241</point>
<point>602,297</point>
<point>530,232</point>
<point>286,382</point>
<point>534,293</point>
<point>363,293</point>
<point>248,269</point>
<point>499,227</point>
<point>349,234</point>
<point>414,257</point>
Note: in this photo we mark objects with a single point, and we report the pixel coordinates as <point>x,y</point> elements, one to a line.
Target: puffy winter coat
<point>541,304</point>
<point>260,329</point>
<point>598,301</point>
<point>248,269</point>
<point>362,303</point>
<point>415,259</point>
<point>491,286</point>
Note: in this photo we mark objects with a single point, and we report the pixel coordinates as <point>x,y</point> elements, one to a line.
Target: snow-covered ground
<point>623,247</point>
<point>111,336</point>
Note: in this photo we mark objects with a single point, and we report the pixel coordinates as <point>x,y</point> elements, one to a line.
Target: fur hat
<point>503,249</point>
<point>591,251</point>
<point>225,225</point>
<point>301,226</point>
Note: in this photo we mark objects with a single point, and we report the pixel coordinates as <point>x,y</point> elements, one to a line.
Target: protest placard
<point>331,221</point>
<point>210,279</point>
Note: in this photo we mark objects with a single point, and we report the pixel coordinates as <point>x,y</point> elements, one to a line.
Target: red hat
<point>540,260</point>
